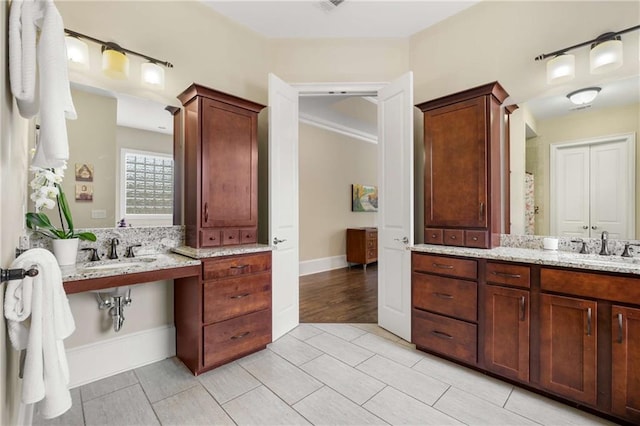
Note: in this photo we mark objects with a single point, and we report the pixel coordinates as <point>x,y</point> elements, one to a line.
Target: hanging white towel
<point>39,319</point>
<point>46,91</point>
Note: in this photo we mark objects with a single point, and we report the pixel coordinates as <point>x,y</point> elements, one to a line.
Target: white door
<point>593,188</point>
<point>609,201</point>
<point>395,213</point>
<point>571,204</point>
<point>283,203</point>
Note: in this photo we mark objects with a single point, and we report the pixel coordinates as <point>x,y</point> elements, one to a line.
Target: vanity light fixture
<point>584,96</point>
<point>115,62</point>
<point>605,56</point>
<point>77,53</point>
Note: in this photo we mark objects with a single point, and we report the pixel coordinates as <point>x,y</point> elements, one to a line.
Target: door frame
<point>630,140</point>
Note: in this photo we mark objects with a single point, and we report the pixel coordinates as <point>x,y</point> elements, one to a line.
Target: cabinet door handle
<point>441,266</point>
<point>522,308</point>
<point>206,212</point>
<point>619,328</point>
<point>481,215</point>
<point>441,335</point>
<point>240,336</point>
<point>585,227</point>
<point>239,267</point>
<point>588,321</point>
<point>239,296</point>
<point>443,295</point>
<point>594,227</point>
<point>506,275</point>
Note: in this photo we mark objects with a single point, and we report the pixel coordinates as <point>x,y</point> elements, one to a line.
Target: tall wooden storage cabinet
<point>463,168</point>
<point>220,168</point>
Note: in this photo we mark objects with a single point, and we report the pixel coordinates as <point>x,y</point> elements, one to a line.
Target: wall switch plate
<point>98,214</point>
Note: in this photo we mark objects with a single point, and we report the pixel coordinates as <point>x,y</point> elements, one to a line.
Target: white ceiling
<point>352,18</point>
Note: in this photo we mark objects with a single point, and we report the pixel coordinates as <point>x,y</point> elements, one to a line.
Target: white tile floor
<point>317,374</point>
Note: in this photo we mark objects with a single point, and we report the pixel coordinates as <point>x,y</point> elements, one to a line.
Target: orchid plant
<point>48,193</point>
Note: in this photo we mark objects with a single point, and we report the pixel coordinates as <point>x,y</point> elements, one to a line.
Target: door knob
<point>404,240</point>
<point>277,241</point>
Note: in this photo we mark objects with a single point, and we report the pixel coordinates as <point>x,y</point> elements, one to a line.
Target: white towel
<point>42,300</point>
<point>50,89</point>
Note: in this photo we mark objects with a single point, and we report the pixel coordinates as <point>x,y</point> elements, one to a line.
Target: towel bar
<point>17,274</point>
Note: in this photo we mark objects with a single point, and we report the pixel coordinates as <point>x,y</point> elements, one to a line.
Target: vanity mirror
<point>121,160</point>
<point>593,147</point>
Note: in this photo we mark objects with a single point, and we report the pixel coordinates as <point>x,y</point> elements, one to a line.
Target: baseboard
<point>102,359</point>
<point>323,264</point>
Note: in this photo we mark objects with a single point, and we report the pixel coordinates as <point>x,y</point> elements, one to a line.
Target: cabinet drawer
<point>453,237</point>
<point>504,273</point>
<point>248,236</point>
<point>593,286</point>
<point>454,338</point>
<point>210,238</point>
<point>433,236</point>
<point>372,243</point>
<point>448,296</point>
<point>477,239</point>
<point>372,254</point>
<point>236,265</point>
<point>232,297</point>
<point>230,339</point>
<point>230,237</point>
<point>461,268</point>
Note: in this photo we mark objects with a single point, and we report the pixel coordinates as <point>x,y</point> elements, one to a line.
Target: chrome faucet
<point>604,250</point>
<point>113,253</point>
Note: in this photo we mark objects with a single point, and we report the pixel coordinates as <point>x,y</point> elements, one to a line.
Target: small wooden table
<point>362,246</point>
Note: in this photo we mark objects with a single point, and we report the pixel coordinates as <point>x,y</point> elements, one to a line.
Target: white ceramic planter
<point>66,251</point>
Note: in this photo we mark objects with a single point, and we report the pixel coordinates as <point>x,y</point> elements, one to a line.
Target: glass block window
<point>148,183</point>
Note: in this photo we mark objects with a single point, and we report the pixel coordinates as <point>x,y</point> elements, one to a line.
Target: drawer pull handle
<point>212,238</point>
<point>474,238</point>
<point>506,275</point>
<point>619,328</point>
<point>441,266</point>
<point>239,296</point>
<point>442,335</point>
<point>241,335</point>
<point>434,235</point>
<point>522,308</point>
<point>443,295</point>
<point>588,321</point>
<point>239,267</point>
<point>453,237</point>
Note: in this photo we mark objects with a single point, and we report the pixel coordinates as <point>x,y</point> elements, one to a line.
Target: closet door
<point>570,179</point>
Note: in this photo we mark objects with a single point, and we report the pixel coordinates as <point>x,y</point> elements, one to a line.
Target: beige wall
<point>577,126</point>
<point>13,184</point>
<point>92,138</point>
<point>329,164</point>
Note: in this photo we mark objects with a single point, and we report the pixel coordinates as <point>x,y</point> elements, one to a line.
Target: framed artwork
<point>84,192</point>
<point>84,172</point>
<point>364,198</point>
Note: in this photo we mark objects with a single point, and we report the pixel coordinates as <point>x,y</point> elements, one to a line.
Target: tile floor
<point>316,374</point>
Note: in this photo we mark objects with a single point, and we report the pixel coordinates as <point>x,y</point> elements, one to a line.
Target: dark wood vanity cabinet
<point>463,168</point>
<point>571,333</point>
<point>220,168</point>
<point>225,313</point>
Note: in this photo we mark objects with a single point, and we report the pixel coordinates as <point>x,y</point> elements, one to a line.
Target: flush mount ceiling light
<point>115,62</point>
<point>77,53</point>
<point>605,56</point>
<point>561,68</point>
<point>584,96</point>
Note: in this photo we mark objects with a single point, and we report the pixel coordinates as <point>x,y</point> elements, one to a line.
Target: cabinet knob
<point>474,238</point>
<point>433,235</point>
<point>453,237</point>
<point>585,227</point>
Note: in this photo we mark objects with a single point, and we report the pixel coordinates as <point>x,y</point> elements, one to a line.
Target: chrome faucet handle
<point>627,252</point>
<point>130,252</point>
<point>583,248</point>
<point>94,253</point>
<point>604,250</point>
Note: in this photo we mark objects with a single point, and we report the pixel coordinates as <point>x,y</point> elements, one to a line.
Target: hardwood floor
<point>341,295</point>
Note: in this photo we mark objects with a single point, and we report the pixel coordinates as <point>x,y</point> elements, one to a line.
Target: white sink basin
<point>105,265</point>
<point>119,265</point>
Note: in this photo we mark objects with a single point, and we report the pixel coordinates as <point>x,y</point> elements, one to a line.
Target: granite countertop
<point>203,253</point>
<point>567,259</point>
<point>124,266</point>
